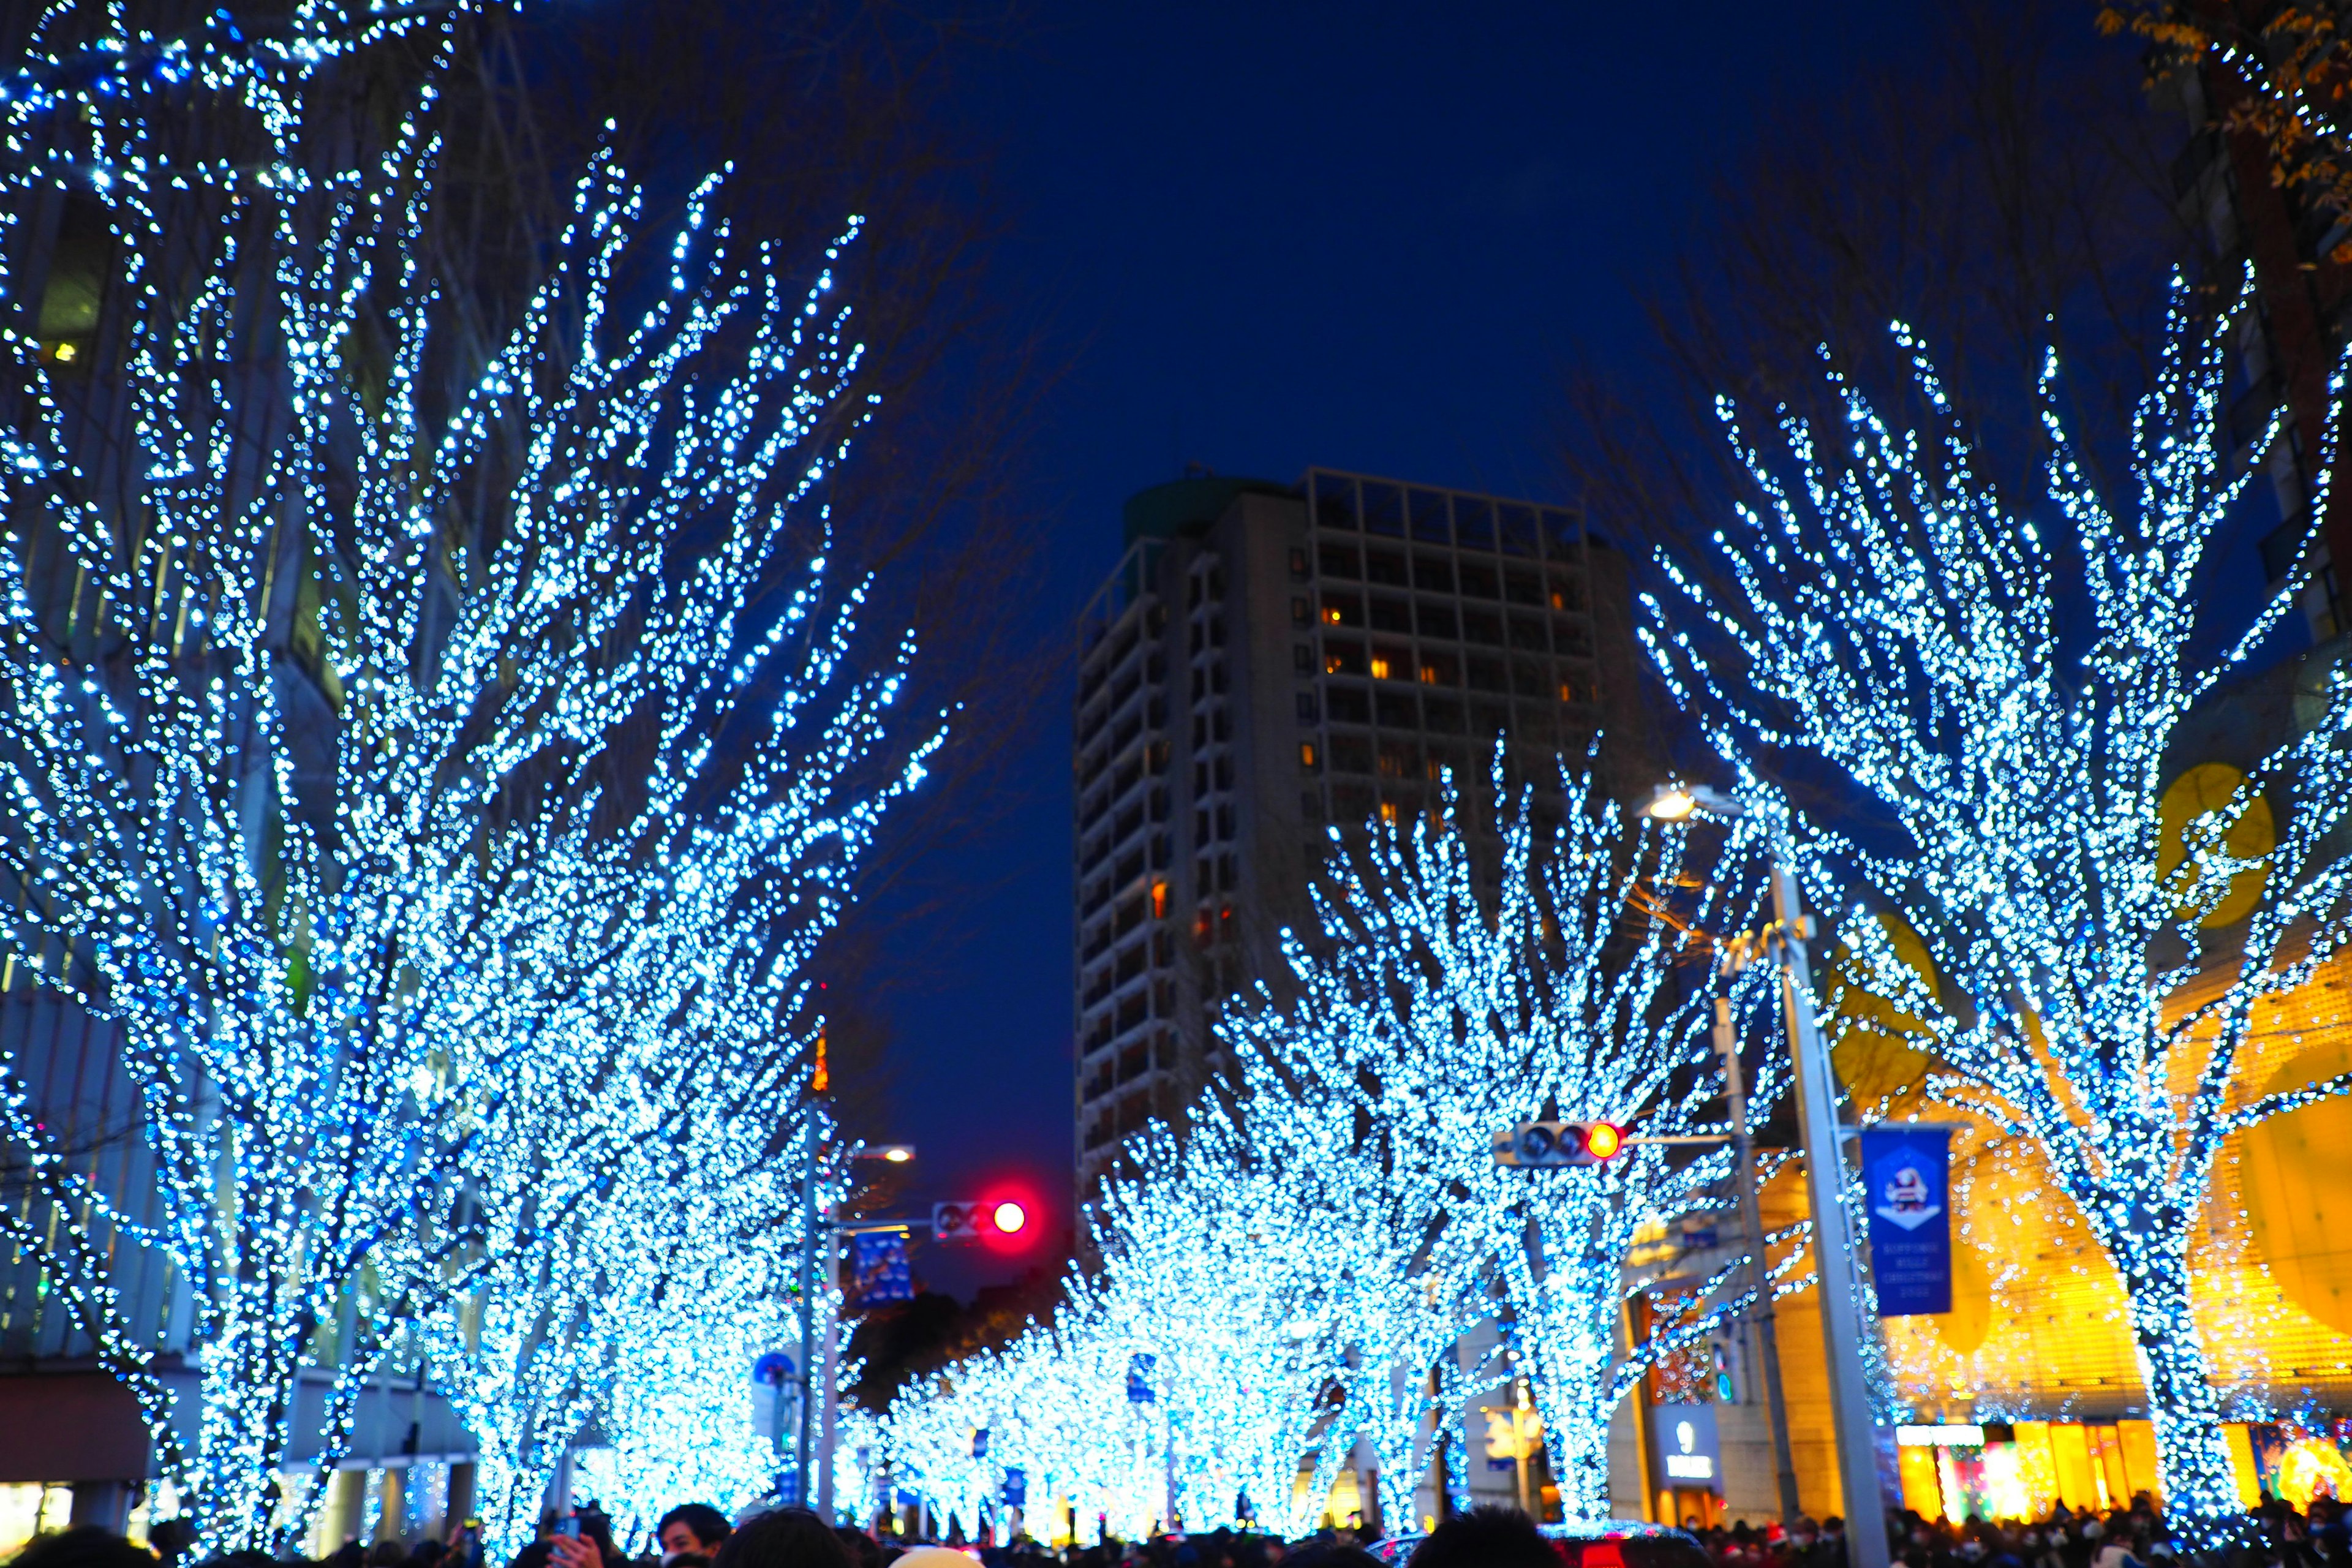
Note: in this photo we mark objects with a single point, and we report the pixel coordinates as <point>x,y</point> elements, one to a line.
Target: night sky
<point>1262,235</point>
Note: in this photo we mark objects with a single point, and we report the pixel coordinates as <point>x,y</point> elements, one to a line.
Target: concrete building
<point>1269,660</point>
<point>2290,342</point>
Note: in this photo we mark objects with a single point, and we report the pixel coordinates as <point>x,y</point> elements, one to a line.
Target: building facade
<point>2289,343</point>
<point>1269,662</point>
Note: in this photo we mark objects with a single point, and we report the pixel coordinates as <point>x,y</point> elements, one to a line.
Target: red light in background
<point>1009,1215</point>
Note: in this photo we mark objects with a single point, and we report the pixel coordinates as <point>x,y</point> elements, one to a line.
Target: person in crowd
<point>694,1527</point>
<point>783,1538</point>
<point>865,1552</point>
<point>84,1546</point>
<point>1486,1538</point>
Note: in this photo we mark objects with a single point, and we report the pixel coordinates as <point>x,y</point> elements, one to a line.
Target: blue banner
<point>882,1272</point>
<point>1140,1366</point>
<point>1906,1179</point>
<point>1016,1488</point>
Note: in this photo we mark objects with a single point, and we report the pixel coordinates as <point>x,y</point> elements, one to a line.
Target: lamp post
<point>1843,1321</point>
<point>812,1442</point>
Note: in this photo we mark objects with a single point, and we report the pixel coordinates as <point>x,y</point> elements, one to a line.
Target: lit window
<point>1332,615</point>
<point>1380,667</point>
<point>1429,674</point>
<point>1307,755</point>
<point>1159,901</point>
<point>1388,811</point>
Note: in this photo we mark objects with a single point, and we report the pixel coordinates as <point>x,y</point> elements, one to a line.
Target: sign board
<point>775,1395</point>
<point>1016,1488</point>
<point>1140,1366</point>
<point>882,1274</point>
<point>957,1222</point>
<point>1951,1434</point>
<point>980,1443</point>
<point>1907,1188</point>
<point>1512,1434</point>
<point>1685,1448</point>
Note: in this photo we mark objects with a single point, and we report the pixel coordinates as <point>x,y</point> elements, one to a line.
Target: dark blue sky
<point>1262,235</point>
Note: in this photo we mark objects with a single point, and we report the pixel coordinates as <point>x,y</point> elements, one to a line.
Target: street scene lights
<point>1844,1322</point>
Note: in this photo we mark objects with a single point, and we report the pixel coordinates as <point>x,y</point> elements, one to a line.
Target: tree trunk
<point>1579,1444</point>
<point>2201,1492</point>
<point>509,1499</point>
<point>250,1385</point>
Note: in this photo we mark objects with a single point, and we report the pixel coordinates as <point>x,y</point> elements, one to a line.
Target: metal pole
<point>1169,1451</point>
<point>801,1445</point>
<point>829,1394</point>
<point>1767,1341</point>
<point>1843,1323</point>
<point>1520,1448</point>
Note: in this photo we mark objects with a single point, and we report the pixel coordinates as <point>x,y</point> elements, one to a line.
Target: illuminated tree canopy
<point>1309,1262</point>
<point>2003,686</point>
<point>441,818</point>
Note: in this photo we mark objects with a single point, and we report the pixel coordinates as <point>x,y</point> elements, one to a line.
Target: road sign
<point>882,1272</point>
<point>1550,1145</point>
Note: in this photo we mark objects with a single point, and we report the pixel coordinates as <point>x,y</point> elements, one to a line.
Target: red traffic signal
<point>1550,1146</point>
<point>998,1220</point>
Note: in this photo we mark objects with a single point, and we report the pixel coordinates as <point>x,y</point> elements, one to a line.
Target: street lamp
<point>1843,1322</point>
<point>819,1398</point>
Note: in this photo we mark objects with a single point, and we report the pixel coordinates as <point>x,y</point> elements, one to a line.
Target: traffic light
<point>1550,1145</point>
<point>999,1220</point>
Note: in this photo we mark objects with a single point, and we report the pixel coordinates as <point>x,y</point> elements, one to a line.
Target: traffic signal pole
<point>802,1443</point>
<point>1843,1324</point>
<point>1761,1315</point>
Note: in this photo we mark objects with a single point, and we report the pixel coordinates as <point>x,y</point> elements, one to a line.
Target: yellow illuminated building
<point>2037,1339</point>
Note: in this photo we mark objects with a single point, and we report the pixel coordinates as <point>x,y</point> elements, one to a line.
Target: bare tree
<point>823,110</point>
<point>2010,204</point>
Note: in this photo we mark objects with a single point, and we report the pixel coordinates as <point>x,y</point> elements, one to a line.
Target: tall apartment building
<point>1268,660</point>
<point>2293,339</point>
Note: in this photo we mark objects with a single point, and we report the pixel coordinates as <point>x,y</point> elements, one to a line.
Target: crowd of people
<point>695,1535</point>
<point>2276,1535</point>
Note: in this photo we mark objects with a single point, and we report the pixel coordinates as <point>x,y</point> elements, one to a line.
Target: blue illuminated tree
<point>1432,1015</point>
<point>402,791</point>
<point>1308,1261</point>
<point>2003,686</point>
